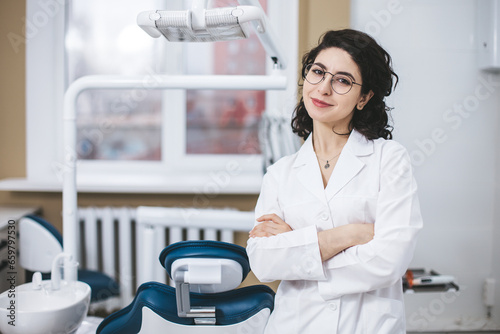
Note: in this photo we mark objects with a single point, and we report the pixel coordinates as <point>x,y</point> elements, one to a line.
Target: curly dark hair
<point>375,65</point>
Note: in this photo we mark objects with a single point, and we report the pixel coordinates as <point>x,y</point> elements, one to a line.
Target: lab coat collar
<point>348,166</point>
<point>358,144</point>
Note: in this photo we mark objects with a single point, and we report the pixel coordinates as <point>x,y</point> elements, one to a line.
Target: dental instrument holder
<point>204,276</point>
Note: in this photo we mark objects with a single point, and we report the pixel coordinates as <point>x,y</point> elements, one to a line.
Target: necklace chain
<point>327,165</point>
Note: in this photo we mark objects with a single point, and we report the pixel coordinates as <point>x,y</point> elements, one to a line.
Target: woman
<point>337,221</point>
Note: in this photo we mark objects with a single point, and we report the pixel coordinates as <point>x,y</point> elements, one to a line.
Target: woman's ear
<point>364,100</point>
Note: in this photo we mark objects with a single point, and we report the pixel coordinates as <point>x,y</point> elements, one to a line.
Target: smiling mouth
<point>320,104</point>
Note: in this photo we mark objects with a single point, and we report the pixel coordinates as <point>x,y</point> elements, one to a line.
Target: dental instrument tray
<point>420,280</point>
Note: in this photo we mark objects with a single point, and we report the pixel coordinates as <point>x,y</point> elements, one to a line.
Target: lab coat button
<point>332,306</point>
<point>324,216</point>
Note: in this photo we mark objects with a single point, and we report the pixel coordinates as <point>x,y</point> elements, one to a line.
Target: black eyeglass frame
<point>308,67</point>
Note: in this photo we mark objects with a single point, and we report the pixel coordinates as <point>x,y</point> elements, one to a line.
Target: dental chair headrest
<point>214,269</point>
<point>204,249</point>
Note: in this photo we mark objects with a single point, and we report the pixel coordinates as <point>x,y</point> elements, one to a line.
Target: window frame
<point>44,126</point>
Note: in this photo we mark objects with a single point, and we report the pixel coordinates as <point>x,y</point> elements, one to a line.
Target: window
<point>167,141</point>
<point>117,125</point>
<point>114,124</point>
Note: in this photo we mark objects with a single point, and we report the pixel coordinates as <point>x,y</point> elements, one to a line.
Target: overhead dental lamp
<point>200,24</point>
<point>197,24</point>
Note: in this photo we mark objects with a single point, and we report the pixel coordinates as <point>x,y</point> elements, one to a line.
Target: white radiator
<point>125,243</point>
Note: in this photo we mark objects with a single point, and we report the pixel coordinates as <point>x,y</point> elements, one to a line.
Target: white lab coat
<point>360,289</point>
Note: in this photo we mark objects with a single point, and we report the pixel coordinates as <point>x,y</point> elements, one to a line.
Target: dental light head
<point>218,24</point>
<point>199,24</point>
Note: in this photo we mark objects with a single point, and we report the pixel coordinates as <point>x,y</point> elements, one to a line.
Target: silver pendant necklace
<point>327,164</point>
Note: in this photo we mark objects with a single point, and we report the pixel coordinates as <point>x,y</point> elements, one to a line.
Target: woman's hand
<point>337,239</point>
<point>361,233</point>
<point>270,225</point>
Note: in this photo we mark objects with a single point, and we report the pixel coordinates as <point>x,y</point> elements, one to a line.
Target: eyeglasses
<point>341,83</point>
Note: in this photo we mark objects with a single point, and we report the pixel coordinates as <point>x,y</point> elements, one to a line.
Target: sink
<point>42,310</point>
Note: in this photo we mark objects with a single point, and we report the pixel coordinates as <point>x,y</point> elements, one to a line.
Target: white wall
<point>446,115</point>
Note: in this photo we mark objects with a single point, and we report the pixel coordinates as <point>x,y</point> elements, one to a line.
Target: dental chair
<point>204,299</point>
<point>41,242</point>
